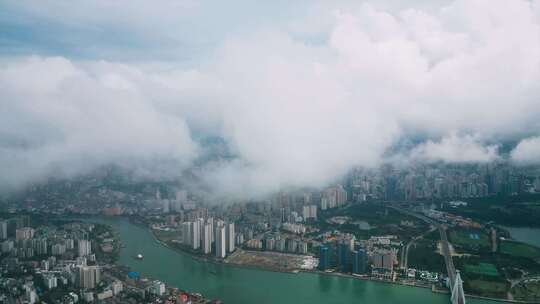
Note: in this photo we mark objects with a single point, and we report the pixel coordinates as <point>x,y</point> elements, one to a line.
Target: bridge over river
<point>454,279</point>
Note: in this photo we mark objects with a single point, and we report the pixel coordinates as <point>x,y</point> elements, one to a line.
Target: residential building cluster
<point>375,257</point>
<point>441,181</point>
<point>54,257</point>
<point>56,263</point>
<point>210,235</point>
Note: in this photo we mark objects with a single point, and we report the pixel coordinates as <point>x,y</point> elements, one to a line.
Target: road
<point>451,270</point>
<point>445,248</point>
<point>404,261</point>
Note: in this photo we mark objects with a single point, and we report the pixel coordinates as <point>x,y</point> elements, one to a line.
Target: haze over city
<point>299,93</point>
<point>291,152</point>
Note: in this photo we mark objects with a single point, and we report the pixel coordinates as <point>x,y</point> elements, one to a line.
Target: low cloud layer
<point>298,101</point>
<point>527,152</point>
<point>454,149</point>
<point>61,118</point>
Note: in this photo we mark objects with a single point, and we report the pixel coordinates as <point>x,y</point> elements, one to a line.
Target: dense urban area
<point>411,227</point>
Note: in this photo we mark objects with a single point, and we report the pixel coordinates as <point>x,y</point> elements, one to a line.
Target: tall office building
<point>186,233</point>
<point>384,260</point>
<point>84,247</point>
<point>207,238</point>
<point>89,276</point>
<point>324,203</point>
<point>331,197</point>
<point>221,242</point>
<point>342,252</point>
<point>359,259</point>
<point>335,197</point>
<point>309,212</point>
<point>195,235</point>
<point>324,257</point>
<point>3,230</point>
<point>341,195</point>
<point>217,223</point>
<point>230,237</point>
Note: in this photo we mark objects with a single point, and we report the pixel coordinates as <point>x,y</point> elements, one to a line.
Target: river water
<point>235,285</point>
<point>530,236</point>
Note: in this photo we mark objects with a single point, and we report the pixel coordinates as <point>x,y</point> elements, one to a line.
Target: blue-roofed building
<point>133,275</point>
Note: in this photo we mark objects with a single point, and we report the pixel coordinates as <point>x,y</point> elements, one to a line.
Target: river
<point>236,285</point>
<point>527,235</point>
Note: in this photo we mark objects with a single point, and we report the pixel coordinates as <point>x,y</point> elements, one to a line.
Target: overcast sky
<point>301,91</point>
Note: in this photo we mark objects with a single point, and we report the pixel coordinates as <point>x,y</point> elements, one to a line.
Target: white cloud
<point>64,118</point>
<point>454,149</point>
<point>294,111</point>
<point>527,152</point>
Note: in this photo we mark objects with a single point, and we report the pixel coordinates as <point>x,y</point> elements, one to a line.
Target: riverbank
<point>123,269</point>
<point>211,261</point>
<point>242,285</point>
<point>528,235</point>
<point>204,259</point>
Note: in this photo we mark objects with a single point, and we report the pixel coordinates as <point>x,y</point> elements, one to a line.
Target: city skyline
<point>292,152</point>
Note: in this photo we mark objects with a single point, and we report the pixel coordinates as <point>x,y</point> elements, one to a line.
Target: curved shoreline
<point>334,274</point>
<point>252,267</point>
